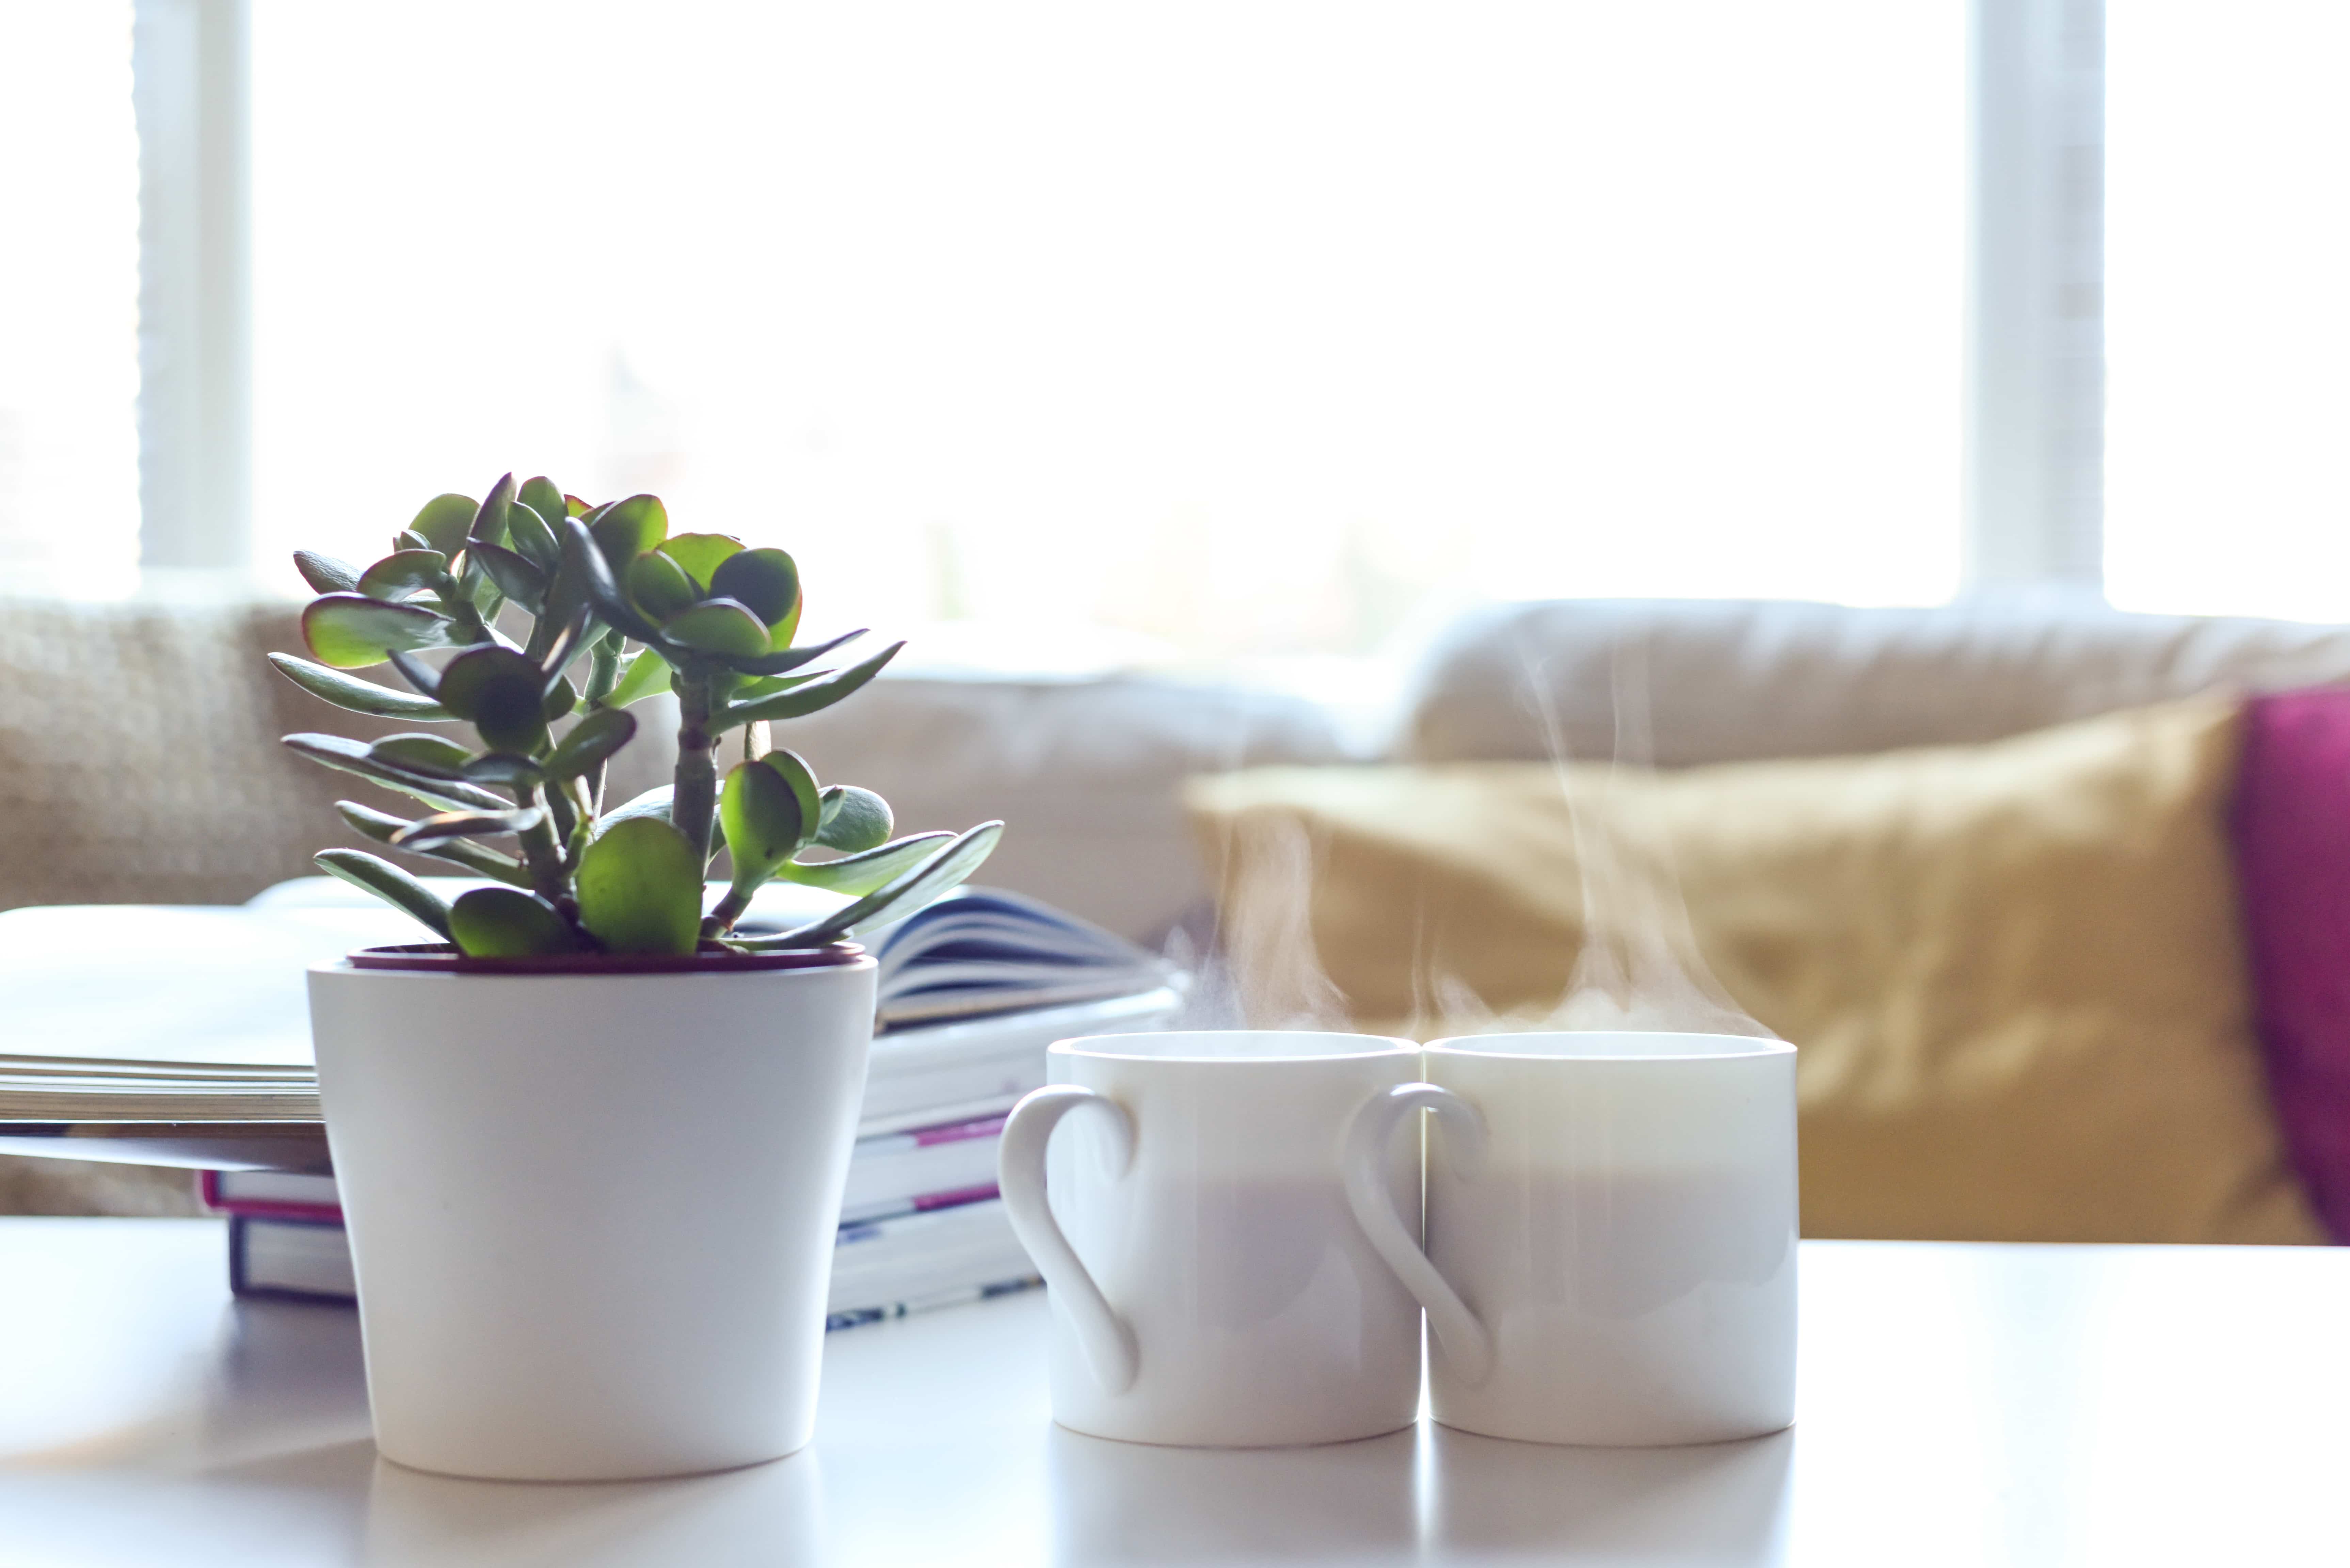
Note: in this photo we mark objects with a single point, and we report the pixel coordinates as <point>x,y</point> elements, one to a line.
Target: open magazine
<point>980,951</point>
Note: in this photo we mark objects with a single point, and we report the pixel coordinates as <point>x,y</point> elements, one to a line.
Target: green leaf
<point>591,741</point>
<point>502,693</point>
<point>350,630</point>
<point>546,504</point>
<point>351,757</point>
<point>489,524</point>
<point>854,820</point>
<point>583,557</point>
<point>801,701</point>
<point>760,814</point>
<point>504,769</point>
<point>517,577</point>
<point>700,554</point>
<point>324,574</point>
<point>654,802</point>
<point>940,874</point>
<point>858,874</point>
<point>387,882</point>
<point>717,626</point>
<point>562,698</point>
<point>659,586</point>
<point>358,695</point>
<point>627,529</point>
<point>785,658</point>
<point>443,523</point>
<point>432,756</point>
<point>533,537</point>
<point>402,573</point>
<point>482,861</point>
<point>765,580</point>
<point>646,673</point>
<point>573,506</point>
<point>500,922</point>
<point>802,778</point>
<point>443,827</point>
<point>640,888</point>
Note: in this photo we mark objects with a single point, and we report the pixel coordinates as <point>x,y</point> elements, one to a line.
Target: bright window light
<point>68,300</point>
<point>1247,327</point>
<point>2228,308</point>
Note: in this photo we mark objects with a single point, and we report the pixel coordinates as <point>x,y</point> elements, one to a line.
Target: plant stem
<point>695,795</point>
<point>543,854</point>
<point>727,910</point>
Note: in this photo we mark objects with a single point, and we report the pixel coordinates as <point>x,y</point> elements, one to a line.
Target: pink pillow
<point>2292,855</point>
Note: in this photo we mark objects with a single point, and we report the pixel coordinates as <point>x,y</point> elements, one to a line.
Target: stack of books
<point>208,1066</point>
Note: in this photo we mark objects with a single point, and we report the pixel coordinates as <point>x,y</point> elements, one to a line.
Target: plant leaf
<point>488,525</point>
<point>581,554</point>
<point>943,871</point>
<point>387,882</point>
<point>502,922</point>
<point>357,696</point>
<point>646,673</point>
<point>517,577</point>
<point>443,521</point>
<point>760,814</point>
<point>402,573</point>
<point>546,504</point>
<point>659,586</point>
<point>627,529</point>
<point>478,858</point>
<point>765,580</point>
<point>784,659</point>
<point>801,701</point>
<point>802,778</point>
<point>324,574</point>
<point>640,888</point>
<point>854,820</point>
<point>591,741</point>
<point>718,626</point>
<point>433,756</point>
<point>699,555</point>
<point>653,803</point>
<point>501,692</point>
<point>350,630</point>
<point>427,831</point>
<point>503,768</point>
<point>351,757</point>
<point>858,874</point>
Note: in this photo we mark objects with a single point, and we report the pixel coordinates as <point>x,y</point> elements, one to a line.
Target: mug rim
<point>1747,1047</point>
<point>1376,1046</point>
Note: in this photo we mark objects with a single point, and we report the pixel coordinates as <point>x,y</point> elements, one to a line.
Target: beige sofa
<point>138,755</point>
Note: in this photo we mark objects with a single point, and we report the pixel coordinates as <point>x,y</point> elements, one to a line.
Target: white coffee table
<point>1960,1404</point>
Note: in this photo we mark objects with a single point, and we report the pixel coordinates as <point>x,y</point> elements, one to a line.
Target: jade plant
<point>617,608</point>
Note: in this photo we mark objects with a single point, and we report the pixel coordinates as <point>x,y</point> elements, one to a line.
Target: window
<point>68,300</point>
<point>1239,326</point>
<point>2228,290</point>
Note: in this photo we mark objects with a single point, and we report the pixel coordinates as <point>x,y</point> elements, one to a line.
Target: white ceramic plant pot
<point>592,1214</point>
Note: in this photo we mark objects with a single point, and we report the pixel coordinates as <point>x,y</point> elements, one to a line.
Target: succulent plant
<point>708,619</point>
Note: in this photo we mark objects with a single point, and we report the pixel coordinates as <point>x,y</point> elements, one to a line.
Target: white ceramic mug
<point>1610,1233</point>
<point>1209,1284</point>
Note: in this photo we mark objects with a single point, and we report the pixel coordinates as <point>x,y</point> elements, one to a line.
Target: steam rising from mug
<point>1638,967</point>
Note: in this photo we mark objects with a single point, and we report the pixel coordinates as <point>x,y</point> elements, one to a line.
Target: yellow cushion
<point>2013,970</point>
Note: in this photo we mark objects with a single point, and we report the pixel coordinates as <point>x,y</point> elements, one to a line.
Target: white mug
<point>1209,1284</point>
<point>1610,1233</point>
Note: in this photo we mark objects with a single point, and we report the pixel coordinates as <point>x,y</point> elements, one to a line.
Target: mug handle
<point>1104,1336</point>
<point>1466,1343</point>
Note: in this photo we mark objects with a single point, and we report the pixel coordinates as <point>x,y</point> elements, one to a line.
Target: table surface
<point>1967,1405</point>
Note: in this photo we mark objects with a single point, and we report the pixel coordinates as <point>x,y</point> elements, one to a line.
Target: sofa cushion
<point>1085,773</point>
<point>1676,682</point>
<point>2293,849</point>
<point>2013,970</point>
